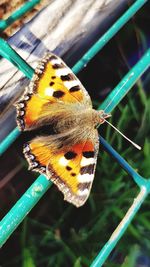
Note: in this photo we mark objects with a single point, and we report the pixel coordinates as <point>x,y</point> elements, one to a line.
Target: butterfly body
<point>55,97</point>
<point>75,118</point>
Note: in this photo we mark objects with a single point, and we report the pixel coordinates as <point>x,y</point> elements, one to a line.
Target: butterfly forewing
<point>53,82</point>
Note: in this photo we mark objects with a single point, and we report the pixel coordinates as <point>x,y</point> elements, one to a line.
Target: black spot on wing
<point>58,66</point>
<point>73,174</point>
<point>87,169</point>
<point>52,57</point>
<point>88,154</point>
<point>83,186</point>
<point>51,83</point>
<point>68,77</point>
<point>70,155</point>
<point>68,168</point>
<point>74,89</point>
<point>58,94</point>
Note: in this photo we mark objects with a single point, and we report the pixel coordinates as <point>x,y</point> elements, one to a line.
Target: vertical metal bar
<point>121,228</point>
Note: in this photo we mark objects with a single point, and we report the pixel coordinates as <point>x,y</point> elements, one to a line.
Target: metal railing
<point>15,216</point>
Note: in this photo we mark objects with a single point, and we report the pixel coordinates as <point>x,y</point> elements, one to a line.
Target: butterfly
<point>56,98</point>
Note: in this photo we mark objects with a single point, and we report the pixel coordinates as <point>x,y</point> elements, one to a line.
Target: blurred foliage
<point>56,233</point>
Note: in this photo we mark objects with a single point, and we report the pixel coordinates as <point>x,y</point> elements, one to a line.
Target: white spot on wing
<point>49,91</point>
<point>83,192</point>
<point>63,161</point>
<point>87,161</point>
<point>21,112</point>
<point>85,178</point>
<point>70,84</point>
<point>56,61</point>
<point>62,71</point>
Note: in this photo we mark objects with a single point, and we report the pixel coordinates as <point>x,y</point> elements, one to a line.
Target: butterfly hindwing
<point>71,168</point>
<point>53,82</point>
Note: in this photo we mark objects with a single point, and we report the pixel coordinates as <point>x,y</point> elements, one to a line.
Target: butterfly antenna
<point>134,144</point>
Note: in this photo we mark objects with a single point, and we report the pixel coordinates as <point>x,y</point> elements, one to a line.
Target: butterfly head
<point>103,116</point>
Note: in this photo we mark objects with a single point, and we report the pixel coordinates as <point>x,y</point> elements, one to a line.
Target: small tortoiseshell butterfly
<point>56,98</point>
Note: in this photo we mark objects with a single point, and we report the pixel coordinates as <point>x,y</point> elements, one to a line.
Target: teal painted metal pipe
<point>17,206</point>
<point>121,228</point>
<point>144,185</point>
<point>7,52</point>
<point>111,101</point>
<point>138,179</point>
<point>108,105</point>
<point>30,198</point>
<point>126,83</point>
<point>18,14</point>
<point>8,140</point>
<point>10,54</point>
<point>109,34</point>
<point>23,207</point>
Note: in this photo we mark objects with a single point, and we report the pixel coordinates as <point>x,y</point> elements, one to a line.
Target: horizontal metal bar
<point>28,71</point>
<point>18,14</point>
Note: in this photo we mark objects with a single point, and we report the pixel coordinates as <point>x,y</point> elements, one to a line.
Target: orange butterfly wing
<point>70,168</point>
<point>53,82</point>
<point>68,158</point>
